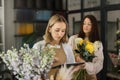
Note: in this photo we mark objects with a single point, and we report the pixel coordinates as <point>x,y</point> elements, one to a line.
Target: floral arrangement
<point>86,50</point>
<point>28,63</point>
<point>118,40</point>
<point>118,50</point>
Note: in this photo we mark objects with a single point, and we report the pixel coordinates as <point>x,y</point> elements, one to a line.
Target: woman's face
<point>58,31</point>
<point>87,26</point>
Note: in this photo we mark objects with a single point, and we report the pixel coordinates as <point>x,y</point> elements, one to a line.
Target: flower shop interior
<point>25,21</point>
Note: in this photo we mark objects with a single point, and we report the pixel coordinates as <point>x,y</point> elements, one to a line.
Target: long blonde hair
<point>54,19</point>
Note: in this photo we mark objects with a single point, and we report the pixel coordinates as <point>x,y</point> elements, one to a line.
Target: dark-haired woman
<point>89,31</point>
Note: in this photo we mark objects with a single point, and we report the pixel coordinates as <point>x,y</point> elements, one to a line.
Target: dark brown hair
<point>94,34</point>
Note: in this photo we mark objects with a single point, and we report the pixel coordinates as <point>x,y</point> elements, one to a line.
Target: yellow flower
<point>90,47</point>
<point>81,41</point>
<point>87,42</point>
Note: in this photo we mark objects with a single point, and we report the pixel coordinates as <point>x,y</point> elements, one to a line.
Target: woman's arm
<point>71,41</point>
<point>39,45</point>
<point>97,64</point>
<point>69,53</point>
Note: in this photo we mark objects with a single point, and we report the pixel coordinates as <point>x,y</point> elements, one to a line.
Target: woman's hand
<point>77,68</point>
<point>78,58</point>
<point>56,60</point>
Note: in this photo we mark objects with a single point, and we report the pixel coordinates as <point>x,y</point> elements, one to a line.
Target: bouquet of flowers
<point>28,63</point>
<point>86,50</point>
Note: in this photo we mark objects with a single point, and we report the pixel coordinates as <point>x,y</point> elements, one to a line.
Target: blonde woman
<point>56,34</point>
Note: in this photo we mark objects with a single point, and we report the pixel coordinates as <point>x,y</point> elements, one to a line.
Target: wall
<point>10,40</point>
<point>77,17</point>
<point>9,25</point>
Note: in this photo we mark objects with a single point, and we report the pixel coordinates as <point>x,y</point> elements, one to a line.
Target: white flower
<point>97,45</point>
<point>29,64</point>
<point>77,40</point>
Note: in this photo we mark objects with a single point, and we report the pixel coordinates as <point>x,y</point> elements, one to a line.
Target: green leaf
<point>77,51</point>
